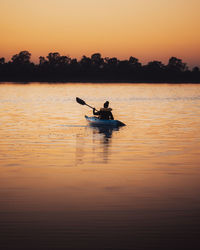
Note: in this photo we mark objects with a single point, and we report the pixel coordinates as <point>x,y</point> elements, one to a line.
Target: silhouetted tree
<point>85,62</point>
<point>112,61</point>
<point>2,67</point>
<point>64,60</point>
<point>195,75</point>
<point>2,60</point>
<point>42,60</point>
<point>22,58</point>
<point>195,69</point>
<point>53,58</point>
<point>176,64</point>
<point>97,60</point>
<point>154,71</point>
<point>155,66</point>
<point>20,68</point>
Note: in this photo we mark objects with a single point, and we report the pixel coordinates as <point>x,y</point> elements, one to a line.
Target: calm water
<point>64,185</point>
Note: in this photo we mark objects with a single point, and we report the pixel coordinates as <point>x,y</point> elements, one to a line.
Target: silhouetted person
<point>104,113</point>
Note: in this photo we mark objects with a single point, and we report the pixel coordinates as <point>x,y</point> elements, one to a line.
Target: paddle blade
<point>80,101</point>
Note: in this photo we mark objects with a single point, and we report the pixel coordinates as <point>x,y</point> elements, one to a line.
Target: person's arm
<point>111,116</point>
<point>95,113</point>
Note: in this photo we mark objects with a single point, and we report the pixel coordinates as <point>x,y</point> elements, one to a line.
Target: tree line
<point>58,68</point>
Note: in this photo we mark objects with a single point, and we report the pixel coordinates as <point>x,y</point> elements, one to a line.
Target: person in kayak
<point>104,113</point>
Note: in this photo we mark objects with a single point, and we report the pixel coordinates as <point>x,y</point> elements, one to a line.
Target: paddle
<point>82,102</point>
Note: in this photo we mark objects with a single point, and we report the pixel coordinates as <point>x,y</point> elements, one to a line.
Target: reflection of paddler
<point>104,113</point>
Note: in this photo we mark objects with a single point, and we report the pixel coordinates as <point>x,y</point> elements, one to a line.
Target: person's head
<point>106,104</point>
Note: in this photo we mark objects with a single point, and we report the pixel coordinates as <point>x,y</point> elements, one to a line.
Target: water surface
<point>65,185</point>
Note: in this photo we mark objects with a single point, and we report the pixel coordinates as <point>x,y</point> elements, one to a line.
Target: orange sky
<point>146,29</point>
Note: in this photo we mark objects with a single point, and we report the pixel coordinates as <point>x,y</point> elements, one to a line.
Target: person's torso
<point>105,113</point>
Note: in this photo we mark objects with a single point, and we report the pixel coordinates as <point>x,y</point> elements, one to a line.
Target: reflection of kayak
<point>94,121</point>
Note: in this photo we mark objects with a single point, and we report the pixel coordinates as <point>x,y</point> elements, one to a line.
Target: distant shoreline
<point>94,82</point>
<point>95,69</point>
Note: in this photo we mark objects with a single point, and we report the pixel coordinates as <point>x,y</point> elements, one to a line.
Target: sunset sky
<point>146,29</point>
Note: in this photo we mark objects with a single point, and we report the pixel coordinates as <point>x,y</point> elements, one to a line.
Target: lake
<point>65,185</point>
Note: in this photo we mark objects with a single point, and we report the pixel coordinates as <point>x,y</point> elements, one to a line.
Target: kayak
<point>94,121</point>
